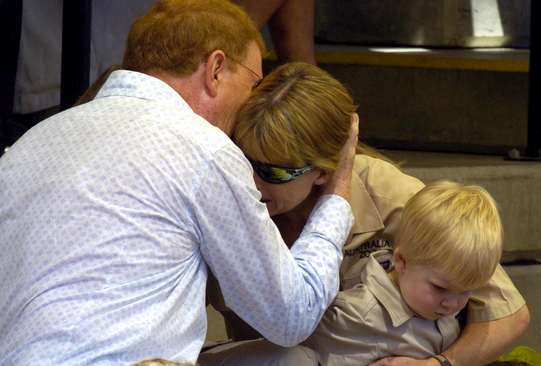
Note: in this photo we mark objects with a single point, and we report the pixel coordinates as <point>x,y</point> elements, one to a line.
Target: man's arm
<point>281,293</point>
<point>479,343</point>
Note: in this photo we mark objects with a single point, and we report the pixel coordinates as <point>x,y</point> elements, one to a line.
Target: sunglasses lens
<point>276,174</point>
<point>273,174</point>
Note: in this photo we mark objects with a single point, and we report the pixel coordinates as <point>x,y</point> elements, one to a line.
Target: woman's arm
<point>481,343</point>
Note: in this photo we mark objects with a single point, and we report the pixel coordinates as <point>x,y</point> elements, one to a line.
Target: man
<point>111,211</point>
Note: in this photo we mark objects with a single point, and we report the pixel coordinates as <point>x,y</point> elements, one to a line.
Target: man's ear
<point>214,66</point>
<point>399,261</point>
<point>323,177</point>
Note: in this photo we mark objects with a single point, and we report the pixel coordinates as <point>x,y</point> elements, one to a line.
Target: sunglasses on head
<point>275,174</point>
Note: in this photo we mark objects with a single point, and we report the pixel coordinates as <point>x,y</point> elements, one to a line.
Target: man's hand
<point>340,181</point>
<point>404,361</point>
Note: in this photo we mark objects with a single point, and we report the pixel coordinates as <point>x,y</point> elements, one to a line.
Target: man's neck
<point>190,88</point>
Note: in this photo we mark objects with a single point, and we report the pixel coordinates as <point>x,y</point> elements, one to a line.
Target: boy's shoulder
<point>357,302</point>
<point>361,298</point>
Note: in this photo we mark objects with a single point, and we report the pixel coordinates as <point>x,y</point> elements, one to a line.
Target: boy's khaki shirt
<point>372,320</point>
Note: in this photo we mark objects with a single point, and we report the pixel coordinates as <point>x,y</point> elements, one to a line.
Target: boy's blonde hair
<point>455,230</point>
<point>299,115</point>
<point>176,36</point>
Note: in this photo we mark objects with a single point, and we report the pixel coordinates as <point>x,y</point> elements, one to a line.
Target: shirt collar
<point>367,218</point>
<point>378,282</point>
<point>134,84</point>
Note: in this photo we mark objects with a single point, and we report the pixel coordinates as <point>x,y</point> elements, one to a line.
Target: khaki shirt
<point>371,320</point>
<point>378,194</point>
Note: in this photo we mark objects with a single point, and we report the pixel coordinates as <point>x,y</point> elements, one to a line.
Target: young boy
<point>449,243</point>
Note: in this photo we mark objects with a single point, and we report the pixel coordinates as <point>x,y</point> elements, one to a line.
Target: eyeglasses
<point>275,174</point>
<point>260,79</point>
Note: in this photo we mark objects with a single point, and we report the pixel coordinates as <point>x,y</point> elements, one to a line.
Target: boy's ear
<point>323,177</point>
<point>399,261</point>
<point>214,66</point>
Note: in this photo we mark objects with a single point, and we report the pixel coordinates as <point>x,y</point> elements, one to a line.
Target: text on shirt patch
<point>365,249</point>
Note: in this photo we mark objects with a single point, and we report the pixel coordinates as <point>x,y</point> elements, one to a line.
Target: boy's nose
<point>450,302</point>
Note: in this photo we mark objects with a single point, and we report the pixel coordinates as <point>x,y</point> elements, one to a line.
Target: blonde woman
<point>292,129</point>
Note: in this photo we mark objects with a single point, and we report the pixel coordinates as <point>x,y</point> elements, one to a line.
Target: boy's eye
<point>439,288</point>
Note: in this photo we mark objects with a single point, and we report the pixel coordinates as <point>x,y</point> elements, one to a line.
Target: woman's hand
<point>340,181</point>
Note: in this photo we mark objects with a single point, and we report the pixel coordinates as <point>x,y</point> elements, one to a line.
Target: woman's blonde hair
<point>299,115</point>
<point>176,36</point>
<point>453,229</point>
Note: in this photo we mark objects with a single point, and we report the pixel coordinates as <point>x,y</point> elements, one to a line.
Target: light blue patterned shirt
<point>109,214</point>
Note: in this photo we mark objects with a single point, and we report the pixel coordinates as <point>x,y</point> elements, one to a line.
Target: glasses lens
<point>257,84</point>
<point>271,174</point>
<point>276,174</point>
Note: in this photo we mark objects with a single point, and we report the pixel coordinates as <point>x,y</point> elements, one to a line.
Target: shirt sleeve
<point>497,299</point>
<point>281,293</point>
